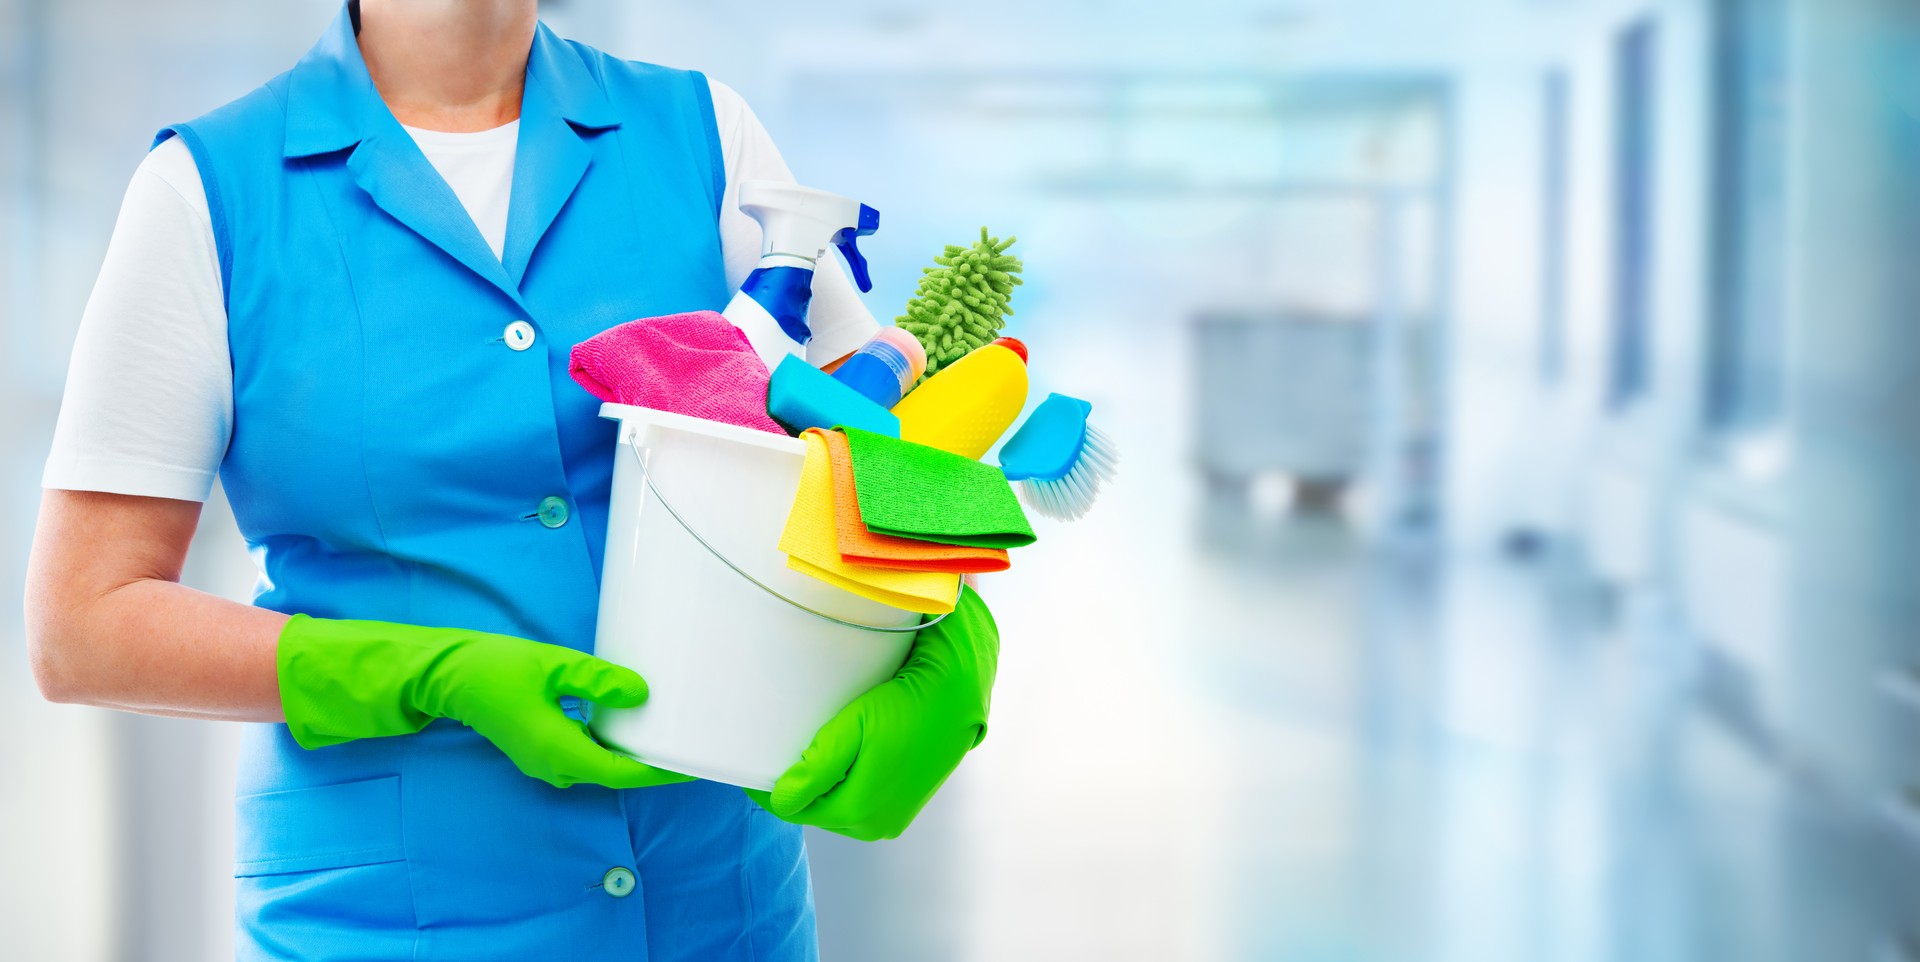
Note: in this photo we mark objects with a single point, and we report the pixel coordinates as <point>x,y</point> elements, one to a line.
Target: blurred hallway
<point>1346,754</point>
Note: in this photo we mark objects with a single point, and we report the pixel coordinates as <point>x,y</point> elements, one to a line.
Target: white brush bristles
<point>1068,497</point>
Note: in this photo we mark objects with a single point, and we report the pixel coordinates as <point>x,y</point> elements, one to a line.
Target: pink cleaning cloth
<point>695,364</point>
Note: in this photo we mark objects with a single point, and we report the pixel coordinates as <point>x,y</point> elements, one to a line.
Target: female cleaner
<point>351,294</point>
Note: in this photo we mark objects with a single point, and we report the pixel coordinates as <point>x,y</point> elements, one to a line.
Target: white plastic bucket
<point>739,677</point>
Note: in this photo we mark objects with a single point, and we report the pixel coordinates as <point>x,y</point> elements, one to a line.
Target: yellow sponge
<point>970,403</point>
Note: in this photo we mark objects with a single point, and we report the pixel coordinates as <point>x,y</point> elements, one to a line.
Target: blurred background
<point>1514,557</point>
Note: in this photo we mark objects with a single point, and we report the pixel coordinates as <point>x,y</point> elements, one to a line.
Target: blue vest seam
<point>746,883</point>
<point>216,206</point>
<point>716,157</point>
<point>305,166</point>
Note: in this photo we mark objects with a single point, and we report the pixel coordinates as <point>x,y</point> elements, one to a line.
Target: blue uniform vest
<point>397,456</point>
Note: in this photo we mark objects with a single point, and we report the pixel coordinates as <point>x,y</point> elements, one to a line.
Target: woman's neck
<point>453,65</point>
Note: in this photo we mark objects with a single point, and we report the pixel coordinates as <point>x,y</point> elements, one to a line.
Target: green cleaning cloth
<point>910,490</point>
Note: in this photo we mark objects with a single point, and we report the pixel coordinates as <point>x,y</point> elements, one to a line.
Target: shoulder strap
<point>716,156</point>
<point>216,206</point>
<point>679,100</point>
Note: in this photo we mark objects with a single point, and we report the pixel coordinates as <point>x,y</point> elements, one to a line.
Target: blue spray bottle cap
<point>844,239</point>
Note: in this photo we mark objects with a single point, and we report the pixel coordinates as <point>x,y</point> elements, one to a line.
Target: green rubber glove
<point>343,680</point>
<point>879,761</point>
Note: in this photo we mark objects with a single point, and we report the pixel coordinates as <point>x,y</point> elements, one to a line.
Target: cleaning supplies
<point>695,364</point>
<point>812,546</point>
<point>862,547</point>
<point>1058,459</point>
<point>885,368</point>
<point>913,491</point>
<point>797,225</point>
<point>967,406</point>
<point>963,302</point>
<point>802,396</point>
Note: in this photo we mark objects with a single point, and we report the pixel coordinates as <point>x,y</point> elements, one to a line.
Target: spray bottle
<point>797,225</point>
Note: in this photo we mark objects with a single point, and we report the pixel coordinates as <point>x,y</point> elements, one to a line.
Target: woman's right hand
<point>343,680</point>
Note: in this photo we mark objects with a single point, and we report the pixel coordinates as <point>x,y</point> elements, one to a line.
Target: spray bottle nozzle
<point>803,222</point>
<point>844,239</point>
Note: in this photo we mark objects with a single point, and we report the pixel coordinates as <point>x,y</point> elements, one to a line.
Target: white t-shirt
<point>148,408</point>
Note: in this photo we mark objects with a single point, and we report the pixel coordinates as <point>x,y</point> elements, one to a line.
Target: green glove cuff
<point>873,766</point>
<point>342,680</point>
<point>957,659</point>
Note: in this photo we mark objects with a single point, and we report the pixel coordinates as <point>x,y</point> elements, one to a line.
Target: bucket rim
<point>628,413</point>
<point>728,432</point>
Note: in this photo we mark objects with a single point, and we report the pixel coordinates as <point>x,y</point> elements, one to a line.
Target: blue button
<point>553,512</point>
<point>618,882</point>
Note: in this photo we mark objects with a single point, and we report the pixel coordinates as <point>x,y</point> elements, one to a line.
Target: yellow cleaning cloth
<point>813,548</point>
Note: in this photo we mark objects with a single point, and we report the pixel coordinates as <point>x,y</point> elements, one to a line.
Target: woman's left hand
<point>872,767</point>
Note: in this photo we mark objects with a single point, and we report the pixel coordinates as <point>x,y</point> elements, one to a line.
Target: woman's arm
<point>109,624</point>
<point>146,414</point>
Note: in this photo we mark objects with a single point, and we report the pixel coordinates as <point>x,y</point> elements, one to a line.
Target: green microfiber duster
<point>913,491</point>
<point>962,303</point>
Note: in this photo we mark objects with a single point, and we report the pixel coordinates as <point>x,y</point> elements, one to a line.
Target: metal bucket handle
<point>647,479</point>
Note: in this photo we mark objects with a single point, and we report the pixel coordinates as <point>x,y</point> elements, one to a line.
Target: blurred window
<point>1553,227</point>
<point>1747,329</point>
<point>1635,79</point>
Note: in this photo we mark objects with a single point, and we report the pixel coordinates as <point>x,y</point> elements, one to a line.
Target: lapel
<point>332,106</point>
<point>388,165</point>
<point>562,99</point>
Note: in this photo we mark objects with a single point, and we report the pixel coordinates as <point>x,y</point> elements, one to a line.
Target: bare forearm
<point>165,649</point>
<point>108,624</point>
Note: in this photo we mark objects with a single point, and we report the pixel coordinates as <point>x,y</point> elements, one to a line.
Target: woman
<point>351,293</point>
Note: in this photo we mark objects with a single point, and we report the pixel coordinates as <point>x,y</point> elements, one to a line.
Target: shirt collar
<point>331,98</point>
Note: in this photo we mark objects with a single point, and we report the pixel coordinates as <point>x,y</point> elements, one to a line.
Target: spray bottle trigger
<point>858,262</point>
<point>844,239</point>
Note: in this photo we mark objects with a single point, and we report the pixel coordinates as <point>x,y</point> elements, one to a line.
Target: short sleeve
<point>840,321</point>
<point>148,407</point>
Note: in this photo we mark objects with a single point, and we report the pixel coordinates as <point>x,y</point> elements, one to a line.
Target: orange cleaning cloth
<point>862,547</point>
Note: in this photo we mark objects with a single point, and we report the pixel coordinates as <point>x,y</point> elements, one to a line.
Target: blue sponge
<point>801,396</point>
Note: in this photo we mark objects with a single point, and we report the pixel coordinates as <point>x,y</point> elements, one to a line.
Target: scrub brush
<point>962,304</point>
<point>1059,460</point>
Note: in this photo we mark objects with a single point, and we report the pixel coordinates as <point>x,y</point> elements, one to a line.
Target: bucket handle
<point>647,479</point>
